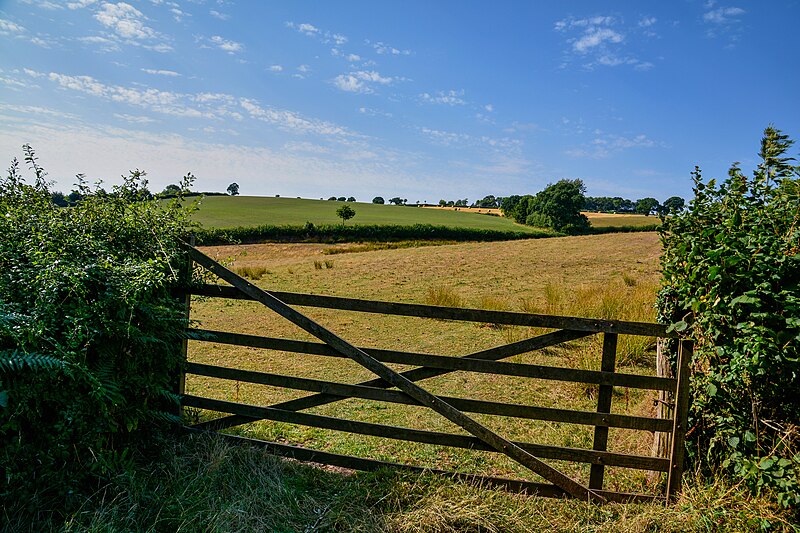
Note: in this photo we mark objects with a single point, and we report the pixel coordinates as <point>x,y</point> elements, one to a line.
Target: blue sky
<point>423,100</point>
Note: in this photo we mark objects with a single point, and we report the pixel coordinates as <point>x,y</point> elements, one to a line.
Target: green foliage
<point>731,267</point>
<point>378,200</point>
<point>345,213</point>
<point>673,204</point>
<point>89,331</point>
<point>233,189</point>
<point>558,206</point>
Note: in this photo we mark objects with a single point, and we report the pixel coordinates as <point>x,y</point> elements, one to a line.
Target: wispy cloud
<point>601,41</point>
<point>275,68</point>
<point>385,49</point>
<point>80,4</point>
<point>291,121</point>
<point>224,44</point>
<point>10,28</point>
<point>725,22</point>
<point>451,98</point>
<point>362,81</point>
<point>604,145</point>
<point>127,25</point>
<point>134,119</point>
<point>170,73</point>
<point>312,31</point>
<point>221,16</point>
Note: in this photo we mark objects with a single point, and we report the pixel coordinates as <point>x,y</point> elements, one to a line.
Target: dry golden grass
<point>580,276</point>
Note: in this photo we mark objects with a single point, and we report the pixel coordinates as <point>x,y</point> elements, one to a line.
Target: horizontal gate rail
<point>368,465</point>
<point>416,374</point>
<point>428,437</point>
<point>447,313</point>
<point>446,362</point>
<point>473,406</point>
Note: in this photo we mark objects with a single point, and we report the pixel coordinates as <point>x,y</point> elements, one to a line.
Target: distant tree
<point>74,197</point>
<point>488,202</point>
<point>341,199</point>
<point>559,206</point>
<point>405,201</point>
<point>645,206</point>
<point>442,203</point>
<point>396,200</point>
<point>673,204</point>
<point>345,212</point>
<point>378,200</point>
<point>233,189</point>
<point>58,199</point>
<point>171,189</point>
<point>332,199</point>
<point>351,199</point>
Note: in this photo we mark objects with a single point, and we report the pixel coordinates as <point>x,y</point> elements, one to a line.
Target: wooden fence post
<point>186,275</point>
<point>681,415</point>
<point>604,395</point>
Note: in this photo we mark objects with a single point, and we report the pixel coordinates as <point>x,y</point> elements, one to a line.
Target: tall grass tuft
<point>251,272</point>
<point>444,296</point>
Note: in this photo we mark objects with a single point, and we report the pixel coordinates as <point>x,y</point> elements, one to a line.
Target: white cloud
<point>489,107</point>
<point>359,81</point>
<point>105,44</point>
<point>646,22</point>
<point>229,46</point>
<point>605,145</point>
<point>291,121</point>
<point>170,73</point>
<point>385,49</point>
<point>7,27</point>
<point>275,68</point>
<point>324,36</point>
<point>134,119</point>
<point>80,4</point>
<point>351,84</point>
<point>178,14</point>
<point>125,20</point>
<point>353,57</point>
<point>723,15</point>
<point>373,112</point>
<point>304,69</point>
<point>339,39</point>
<point>445,97</point>
<point>596,37</point>
<point>216,14</point>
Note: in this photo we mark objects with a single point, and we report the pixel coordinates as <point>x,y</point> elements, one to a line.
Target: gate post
<point>186,280</point>
<point>604,395</point>
<point>681,415</point>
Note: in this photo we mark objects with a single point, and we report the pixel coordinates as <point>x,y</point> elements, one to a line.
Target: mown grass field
<point>227,212</point>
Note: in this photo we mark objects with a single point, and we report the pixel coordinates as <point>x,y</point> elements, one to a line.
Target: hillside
<point>227,212</point>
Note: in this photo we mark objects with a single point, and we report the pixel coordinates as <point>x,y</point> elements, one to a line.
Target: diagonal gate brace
<point>401,382</point>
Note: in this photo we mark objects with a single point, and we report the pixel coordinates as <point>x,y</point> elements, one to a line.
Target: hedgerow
<point>90,333</point>
<point>357,232</point>
<point>731,271</point>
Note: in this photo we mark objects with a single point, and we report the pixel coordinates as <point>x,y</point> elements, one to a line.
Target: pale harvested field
<point>534,275</point>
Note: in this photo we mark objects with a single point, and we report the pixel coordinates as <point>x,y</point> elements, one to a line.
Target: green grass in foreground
<point>227,212</point>
<point>202,483</point>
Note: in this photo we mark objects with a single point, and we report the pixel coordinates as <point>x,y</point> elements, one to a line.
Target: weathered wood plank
<point>359,463</point>
<point>394,396</point>
<point>448,313</point>
<point>604,395</point>
<point>423,396</point>
<point>428,437</point>
<point>467,364</point>
<point>678,448</point>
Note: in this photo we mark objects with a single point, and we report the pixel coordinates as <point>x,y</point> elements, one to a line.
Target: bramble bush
<point>90,333</point>
<point>731,274</point>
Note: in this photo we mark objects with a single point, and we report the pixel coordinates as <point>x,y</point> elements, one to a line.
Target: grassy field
<point>226,212</point>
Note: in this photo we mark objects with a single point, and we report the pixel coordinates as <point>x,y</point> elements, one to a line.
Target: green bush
<point>90,333</point>
<point>731,272</point>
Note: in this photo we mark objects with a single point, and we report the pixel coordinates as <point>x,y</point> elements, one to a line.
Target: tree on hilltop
<point>345,212</point>
<point>233,189</point>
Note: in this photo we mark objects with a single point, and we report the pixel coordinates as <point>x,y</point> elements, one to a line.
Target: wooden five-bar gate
<point>403,388</point>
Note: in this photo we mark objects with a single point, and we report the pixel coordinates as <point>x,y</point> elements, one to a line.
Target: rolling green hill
<point>227,212</point>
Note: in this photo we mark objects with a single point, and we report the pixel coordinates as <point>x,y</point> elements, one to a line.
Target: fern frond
<point>15,361</point>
